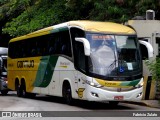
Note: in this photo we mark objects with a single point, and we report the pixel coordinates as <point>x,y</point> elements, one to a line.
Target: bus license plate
<point>118,97</point>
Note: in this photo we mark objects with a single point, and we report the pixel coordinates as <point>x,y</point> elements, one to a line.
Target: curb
<point>142,104</point>
<point>136,103</point>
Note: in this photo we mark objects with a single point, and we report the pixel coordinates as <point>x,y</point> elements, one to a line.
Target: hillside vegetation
<point>19,17</point>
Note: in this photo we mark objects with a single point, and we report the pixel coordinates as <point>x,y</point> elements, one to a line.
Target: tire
<point>4,92</point>
<point>19,91</point>
<point>17,88</point>
<point>23,90</point>
<point>67,95</point>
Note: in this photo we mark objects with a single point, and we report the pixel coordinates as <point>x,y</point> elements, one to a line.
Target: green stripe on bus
<point>130,83</point>
<point>134,83</point>
<point>45,71</point>
<point>59,30</point>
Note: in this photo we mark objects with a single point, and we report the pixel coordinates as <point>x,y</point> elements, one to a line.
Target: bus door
<point>79,60</point>
<point>80,65</point>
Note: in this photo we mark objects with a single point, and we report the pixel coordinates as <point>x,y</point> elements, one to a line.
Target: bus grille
<point>118,89</point>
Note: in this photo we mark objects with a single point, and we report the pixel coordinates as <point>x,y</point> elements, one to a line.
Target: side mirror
<point>86,45</point>
<point>148,46</point>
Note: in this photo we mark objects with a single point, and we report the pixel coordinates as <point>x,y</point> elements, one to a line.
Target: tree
<point>40,14</point>
<point>154,68</point>
<point>19,17</point>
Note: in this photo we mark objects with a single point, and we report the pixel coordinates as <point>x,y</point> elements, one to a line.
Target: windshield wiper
<point>112,65</point>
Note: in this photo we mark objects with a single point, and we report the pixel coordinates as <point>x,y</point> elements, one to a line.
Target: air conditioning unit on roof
<point>150,15</point>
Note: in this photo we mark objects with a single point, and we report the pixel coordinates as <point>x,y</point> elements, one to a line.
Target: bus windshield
<point>114,55</point>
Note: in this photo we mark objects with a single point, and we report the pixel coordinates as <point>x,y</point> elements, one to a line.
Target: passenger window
<point>55,43</point>
<point>66,44</point>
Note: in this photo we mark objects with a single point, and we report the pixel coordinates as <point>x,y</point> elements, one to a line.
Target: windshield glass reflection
<point>113,55</point>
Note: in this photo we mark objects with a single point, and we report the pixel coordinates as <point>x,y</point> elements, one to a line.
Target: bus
<point>85,60</point>
<point>3,70</point>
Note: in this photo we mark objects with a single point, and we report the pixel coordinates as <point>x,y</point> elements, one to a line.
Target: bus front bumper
<point>98,94</point>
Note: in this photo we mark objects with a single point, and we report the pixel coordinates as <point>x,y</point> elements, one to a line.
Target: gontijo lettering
<point>25,64</point>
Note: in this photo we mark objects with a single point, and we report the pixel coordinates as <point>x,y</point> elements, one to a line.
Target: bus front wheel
<point>67,93</point>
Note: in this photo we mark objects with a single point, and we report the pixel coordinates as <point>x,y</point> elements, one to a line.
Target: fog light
<point>94,94</point>
<point>140,94</point>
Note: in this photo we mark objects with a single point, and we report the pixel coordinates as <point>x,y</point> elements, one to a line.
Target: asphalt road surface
<point>81,110</point>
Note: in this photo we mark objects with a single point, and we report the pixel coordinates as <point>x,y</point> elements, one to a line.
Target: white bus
<point>86,60</point>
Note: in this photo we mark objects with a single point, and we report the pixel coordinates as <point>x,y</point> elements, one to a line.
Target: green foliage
<point>42,14</point>
<point>19,17</point>
<point>154,68</point>
<point>144,5</point>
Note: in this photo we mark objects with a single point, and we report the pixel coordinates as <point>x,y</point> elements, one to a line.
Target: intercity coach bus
<point>86,60</point>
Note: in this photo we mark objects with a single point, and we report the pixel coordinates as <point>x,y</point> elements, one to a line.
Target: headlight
<point>93,84</point>
<point>139,84</point>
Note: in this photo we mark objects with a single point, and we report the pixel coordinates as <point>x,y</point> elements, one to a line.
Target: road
<point>82,108</point>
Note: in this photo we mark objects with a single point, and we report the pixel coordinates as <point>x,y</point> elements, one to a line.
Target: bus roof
<point>106,27</point>
<point>94,26</point>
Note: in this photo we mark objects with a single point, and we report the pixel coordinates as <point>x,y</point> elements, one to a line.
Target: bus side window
<point>66,43</point>
<point>11,50</point>
<point>28,48</point>
<point>58,44</point>
<point>38,48</point>
<point>23,52</point>
<point>17,49</point>
<point>33,48</point>
<point>52,44</point>
<point>41,45</point>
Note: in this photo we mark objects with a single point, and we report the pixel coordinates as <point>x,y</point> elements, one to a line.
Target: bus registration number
<point>118,97</point>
